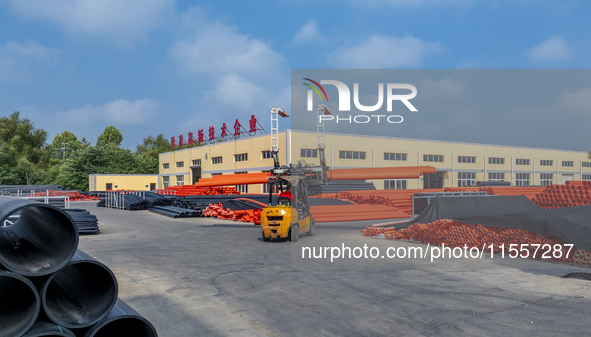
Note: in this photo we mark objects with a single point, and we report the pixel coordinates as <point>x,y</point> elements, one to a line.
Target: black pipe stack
<point>48,287</point>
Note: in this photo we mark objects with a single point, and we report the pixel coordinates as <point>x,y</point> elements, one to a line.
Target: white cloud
<point>385,52</point>
<point>121,21</point>
<point>575,103</point>
<point>18,62</point>
<point>215,49</point>
<point>308,34</point>
<point>117,112</point>
<point>555,49</point>
<point>243,74</point>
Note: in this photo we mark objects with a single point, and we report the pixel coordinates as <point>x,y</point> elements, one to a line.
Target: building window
<point>180,164</point>
<point>216,174</point>
<point>433,158</point>
<point>180,180</point>
<point>196,162</point>
<point>351,155</point>
<point>521,161</point>
<point>496,176</point>
<point>493,160</point>
<point>165,165</point>
<point>466,179</point>
<point>586,164</point>
<point>309,153</point>
<point>586,177</point>
<point>267,154</point>
<point>395,156</point>
<point>465,159</point>
<point>546,162</point>
<point>522,179</point>
<point>241,188</point>
<point>568,163</point>
<point>165,181</point>
<point>241,157</point>
<point>546,179</point>
<point>216,160</point>
<point>395,184</point>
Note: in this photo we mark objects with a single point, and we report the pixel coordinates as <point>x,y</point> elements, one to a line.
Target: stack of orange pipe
<point>74,195</point>
<point>335,213</point>
<point>573,193</point>
<point>247,215</point>
<point>401,199</point>
<point>192,190</point>
<point>458,234</point>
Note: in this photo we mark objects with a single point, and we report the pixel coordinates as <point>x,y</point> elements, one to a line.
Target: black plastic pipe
<point>80,294</point>
<point>19,304</point>
<point>122,321</point>
<point>40,242</point>
<point>42,329</point>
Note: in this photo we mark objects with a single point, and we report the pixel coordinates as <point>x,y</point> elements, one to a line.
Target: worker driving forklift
<point>288,216</point>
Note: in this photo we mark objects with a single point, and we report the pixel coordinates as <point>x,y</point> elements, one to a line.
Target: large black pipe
<point>19,304</point>
<point>122,321</point>
<point>40,242</point>
<point>43,329</point>
<point>80,294</point>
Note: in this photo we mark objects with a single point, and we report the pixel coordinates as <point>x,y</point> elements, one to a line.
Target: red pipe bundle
<point>74,195</point>
<point>458,234</point>
<point>573,193</point>
<point>247,215</point>
<point>192,190</point>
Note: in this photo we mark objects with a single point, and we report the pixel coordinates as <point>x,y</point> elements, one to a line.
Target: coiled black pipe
<point>19,304</point>
<point>40,242</point>
<point>122,321</point>
<point>43,329</point>
<point>80,294</point>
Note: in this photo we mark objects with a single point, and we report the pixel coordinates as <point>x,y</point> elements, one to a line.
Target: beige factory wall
<point>252,146</point>
<point>291,143</point>
<point>141,182</point>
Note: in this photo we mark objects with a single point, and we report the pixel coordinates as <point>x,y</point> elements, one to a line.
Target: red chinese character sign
<point>172,143</point>
<point>211,133</point>
<point>224,133</point>
<point>253,124</point>
<point>237,127</point>
<point>180,140</point>
<point>200,137</point>
<point>190,140</point>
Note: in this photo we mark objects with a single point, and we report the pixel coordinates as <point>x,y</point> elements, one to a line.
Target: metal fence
<point>117,199</point>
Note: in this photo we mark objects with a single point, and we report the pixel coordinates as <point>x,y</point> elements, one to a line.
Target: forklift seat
<point>284,201</point>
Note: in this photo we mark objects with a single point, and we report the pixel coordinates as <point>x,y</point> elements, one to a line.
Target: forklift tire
<point>265,238</point>
<point>312,229</point>
<point>295,233</point>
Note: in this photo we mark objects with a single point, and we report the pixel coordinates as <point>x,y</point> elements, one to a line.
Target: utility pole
<point>64,151</point>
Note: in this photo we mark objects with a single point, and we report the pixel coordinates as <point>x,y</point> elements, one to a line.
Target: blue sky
<point>165,66</point>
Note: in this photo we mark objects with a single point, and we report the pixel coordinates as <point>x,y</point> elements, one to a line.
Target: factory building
<point>458,164</point>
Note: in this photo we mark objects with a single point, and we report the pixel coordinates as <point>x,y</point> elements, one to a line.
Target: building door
<point>566,177</point>
<point>109,186</point>
<point>433,180</point>
<point>196,173</point>
<point>152,186</point>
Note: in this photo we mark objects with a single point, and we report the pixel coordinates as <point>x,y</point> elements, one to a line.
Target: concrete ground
<point>206,277</point>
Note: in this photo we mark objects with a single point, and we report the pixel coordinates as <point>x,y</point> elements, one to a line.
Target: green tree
<point>24,150</point>
<point>64,143</point>
<point>148,152</point>
<point>111,136</point>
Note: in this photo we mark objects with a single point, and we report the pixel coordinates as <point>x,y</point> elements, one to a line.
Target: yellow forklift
<point>287,217</point>
<point>290,217</point>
